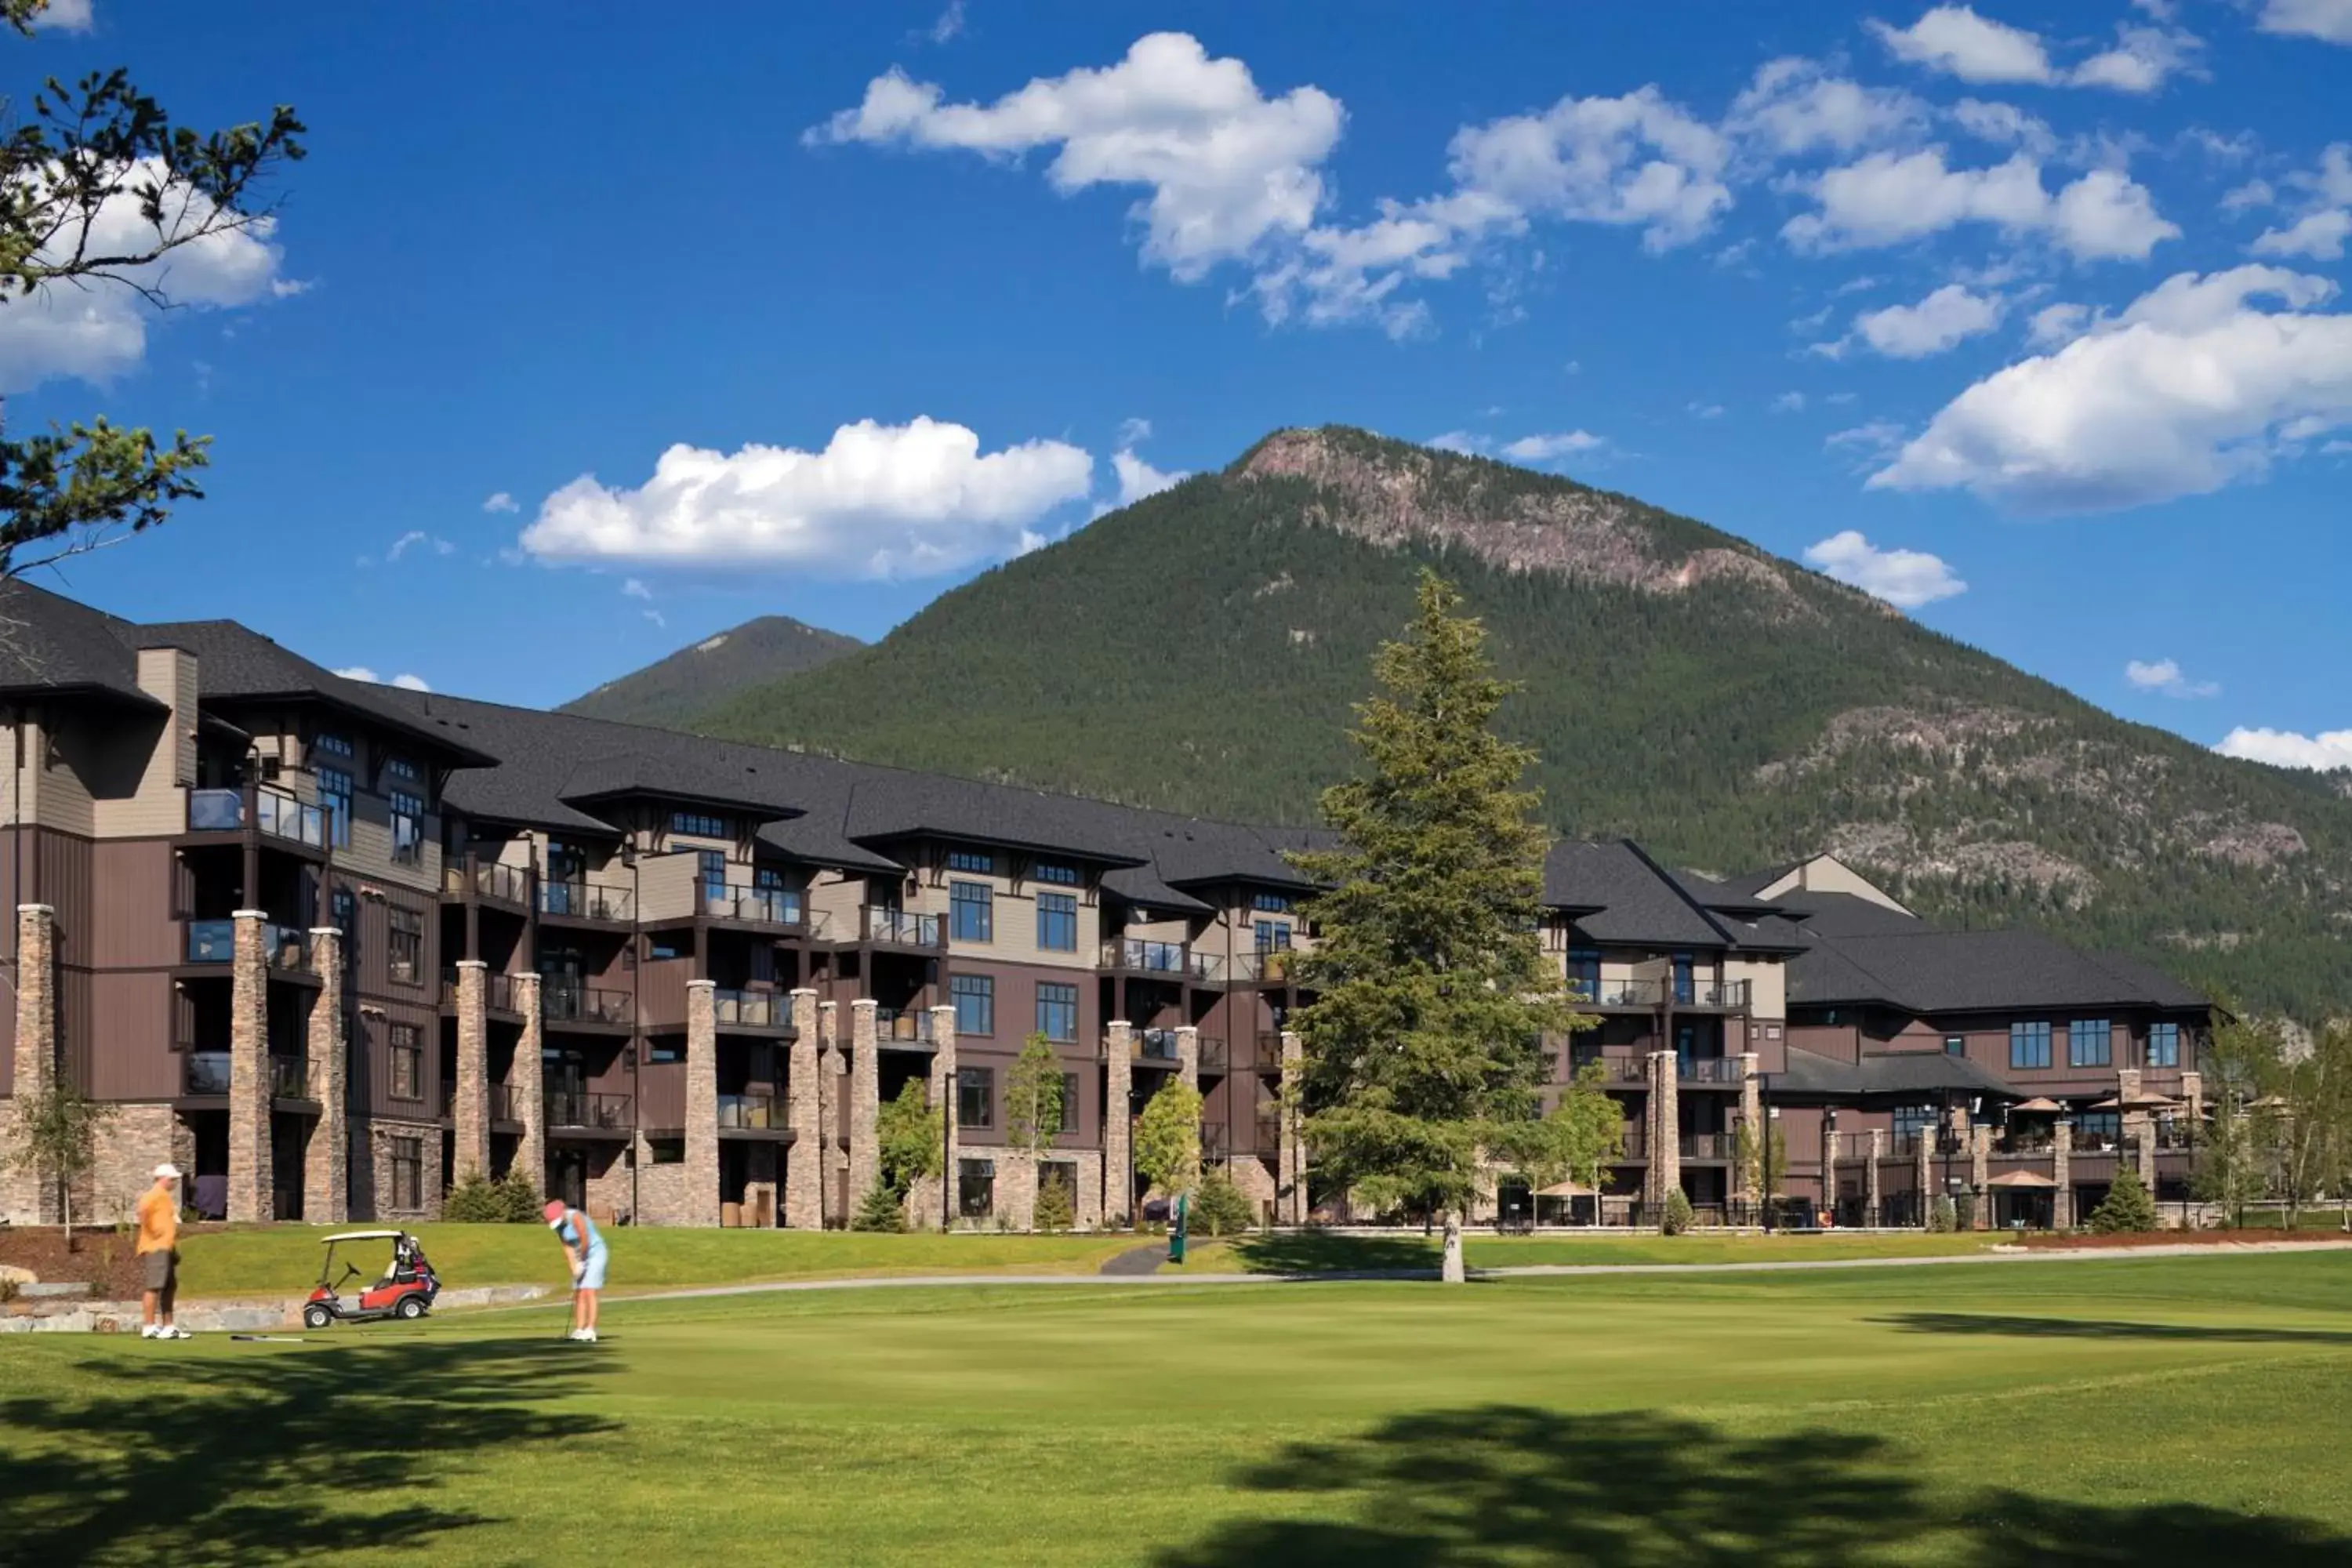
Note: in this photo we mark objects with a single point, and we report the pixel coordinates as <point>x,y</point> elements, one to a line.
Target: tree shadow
<point>1502,1484</point>
<point>1327,1252</point>
<point>2106,1329</point>
<point>272,1458</point>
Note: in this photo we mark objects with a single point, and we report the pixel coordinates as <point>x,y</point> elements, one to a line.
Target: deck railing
<point>608,1113</point>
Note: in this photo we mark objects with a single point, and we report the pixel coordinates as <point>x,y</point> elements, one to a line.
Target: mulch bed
<point>100,1256</point>
<point>2184,1239</point>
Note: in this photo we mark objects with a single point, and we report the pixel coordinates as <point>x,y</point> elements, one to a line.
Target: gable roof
<point>57,646</point>
<point>1931,971</point>
<point>1890,1075</point>
<point>1617,894</point>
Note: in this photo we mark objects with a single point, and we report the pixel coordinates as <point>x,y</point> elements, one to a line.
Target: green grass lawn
<point>2154,1411</point>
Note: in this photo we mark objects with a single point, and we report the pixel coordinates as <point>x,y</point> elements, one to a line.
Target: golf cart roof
<point>362,1236</point>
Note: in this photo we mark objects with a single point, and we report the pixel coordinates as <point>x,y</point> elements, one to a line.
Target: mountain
<point>1200,650</point>
<point>756,654</point>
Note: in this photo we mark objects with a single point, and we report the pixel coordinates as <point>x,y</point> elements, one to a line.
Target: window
<point>976,1096</point>
<point>2029,1045</point>
<point>1073,1112</point>
<point>1050,872</point>
<point>1584,974</point>
<point>979,860</point>
<point>407,1173</point>
<point>975,1004</point>
<point>346,908</point>
<point>402,769</point>
<point>407,1060</point>
<point>714,875</point>
<point>971,912</point>
<point>669,1049</point>
<point>2098,1129</point>
<point>332,746</point>
<point>697,824</point>
<point>1274,936</point>
<point>2164,1044</point>
<point>1956,1045</point>
<point>404,942</point>
<point>1057,923</point>
<point>975,1188</point>
<point>407,827</point>
<point>335,794</point>
<point>663,947</point>
<point>1685,1049</point>
<point>2090,1043</point>
<point>665,1150</point>
<point>1270,903</point>
<point>1685,990</point>
<point>1914,1119</point>
<point>1057,1012</point>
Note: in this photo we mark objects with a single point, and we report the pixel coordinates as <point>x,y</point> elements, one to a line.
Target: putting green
<point>2168,1410</point>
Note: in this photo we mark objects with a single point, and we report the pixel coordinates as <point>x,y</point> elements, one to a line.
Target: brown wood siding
<point>371,1063</point>
<point>128,1031</point>
<point>132,929</point>
<point>661,1095</point>
<point>661,993</point>
<point>63,877</point>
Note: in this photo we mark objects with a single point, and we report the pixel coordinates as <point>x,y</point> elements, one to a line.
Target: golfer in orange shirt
<point>158,1251</point>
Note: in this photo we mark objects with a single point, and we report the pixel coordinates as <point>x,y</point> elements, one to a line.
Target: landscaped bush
<point>2126,1207</point>
<point>1943,1217</point>
<point>1221,1208</point>
<point>881,1209</point>
<point>474,1200</point>
<point>1053,1210</point>
<point>1678,1216</point>
<point>1964,1211</point>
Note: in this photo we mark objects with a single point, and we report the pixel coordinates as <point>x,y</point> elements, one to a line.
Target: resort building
<point>331,946</point>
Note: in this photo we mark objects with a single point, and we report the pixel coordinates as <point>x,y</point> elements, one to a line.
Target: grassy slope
<point>2137,1411</point>
<point>1205,646</point>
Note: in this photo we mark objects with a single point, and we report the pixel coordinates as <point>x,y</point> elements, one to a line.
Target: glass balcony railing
<point>289,1077</point>
<point>215,810</point>
<point>1215,1058</point>
<point>899,929</point>
<point>502,1103</point>
<point>766,906</point>
<point>599,1113</point>
<point>205,1073</point>
<point>1146,957</point>
<point>1619,1069</point>
<point>903,1024</point>
<point>587,902</point>
<point>1708,1070</point>
<point>483,878</point>
<point>752,1009</point>
<point>212,942</point>
<point>749,1112</point>
<point>1155,1045</point>
<point>283,816</point>
<point>1708,1145</point>
<point>564,1001</point>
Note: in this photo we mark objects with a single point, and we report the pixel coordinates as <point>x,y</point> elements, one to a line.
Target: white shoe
<point>589,1335</point>
<point>577,1336</point>
<point>174,1331</point>
<point>149,1331</point>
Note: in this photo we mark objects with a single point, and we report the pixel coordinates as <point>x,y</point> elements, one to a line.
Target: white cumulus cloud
<point>2328,750</point>
<point>1550,448</point>
<point>880,500</point>
<point>500,501</point>
<point>1942,320</point>
<point>2165,676</point>
<point>2330,20</point>
<point>1888,198</point>
<point>1794,106</point>
<point>2193,385</point>
<point>1907,578</point>
<point>1957,41</point>
<point>2319,236</point>
<point>406,682</point>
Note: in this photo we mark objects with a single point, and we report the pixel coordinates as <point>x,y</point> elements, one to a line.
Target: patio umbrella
<point>2038,1107</point>
<point>2150,1102</point>
<point>2034,1179</point>
<point>1565,1190</point>
<point>2110,1104</point>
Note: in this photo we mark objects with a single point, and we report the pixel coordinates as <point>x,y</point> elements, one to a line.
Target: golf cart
<point>405,1291</point>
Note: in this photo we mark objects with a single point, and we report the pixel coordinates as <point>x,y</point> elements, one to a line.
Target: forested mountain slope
<point>755,654</point>
<point>1200,650</point>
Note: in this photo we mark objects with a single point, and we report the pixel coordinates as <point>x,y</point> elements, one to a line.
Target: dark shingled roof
<point>1845,914</point>
<point>1892,1075</point>
<point>1930,971</point>
<point>52,644</point>
<point>1629,899</point>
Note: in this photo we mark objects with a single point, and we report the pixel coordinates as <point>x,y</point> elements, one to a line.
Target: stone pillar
<point>828,1112</point>
<point>1118,1079</point>
<point>1980,1173</point>
<point>469,1108</point>
<point>943,1095</point>
<point>30,1198</point>
<point>864,1090</point>
<point>327,1165</point>
<point>1751,1117</point>
<point>1923,1176</point>
<point>250,1183</point>
<point>2138,1127</point>
<point>701,1176</point>
<point>2193,1090</point>
<point>2061,1171</point>
<point>1188,1057</point>
<point>804,1160</point>
<point>1666,1132</point>
<point>1871,1211</point>
<point>1291,1186</point>
<point>527,1084</point>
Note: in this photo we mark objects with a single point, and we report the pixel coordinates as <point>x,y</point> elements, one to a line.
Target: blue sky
<point>576,340</point>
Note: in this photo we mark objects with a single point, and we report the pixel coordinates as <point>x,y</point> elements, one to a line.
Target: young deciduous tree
<point>56,1138</point>
<point>910,1138</point>
<point>1763,1161</point>
<point>98,190</point>
<point>1425,1043</point>
<point>2311,1124</point>
<point>1577,1140</point>
<point>1168,1139</point>
<point>1032,1097</point>
<point>2243,1061</point>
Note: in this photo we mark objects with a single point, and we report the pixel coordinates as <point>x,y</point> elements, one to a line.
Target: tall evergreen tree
<point>1424,1045</point>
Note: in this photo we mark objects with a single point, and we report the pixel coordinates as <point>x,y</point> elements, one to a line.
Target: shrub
<point>474,1200</point>
<point>1678,1217</point>
<point>1053,1210</point>
<point>519,1195</point>
<point>1221,1208</point>
<point>881,1209</point>
<point>2126,1207</point>
<point>1964,1211</point>
<point>1943,1217</point>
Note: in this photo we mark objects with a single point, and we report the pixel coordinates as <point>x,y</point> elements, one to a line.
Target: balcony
<point>752,1010</point>
<point>570,1111</point>
<point>1269,1134</point>
<point>498,990</point>
<point>758,905</point>
<point>1214,1143</point>
<point>1620,1069</point>
<point>1708,1145</point>
<point>274,812</point>
<point>282,947</point>
<point>1155,1046</point>
<point>1137,957</point>
<point>502,1103</point>
<point>748,1113</point>
<point>1721,1070</point>
<point>486,880</point>
<point>903,1025</point>
<point>1592,991</point>
<point>204,1075</point>
<point>289,1077</point>
<point>562,1001</point>
<point>1730,994</point>
<point>1635,1144</point>
<point>1214,1057</point>
<point>585,901</point>
<point>896,928</point>
<point>1269,1051</point>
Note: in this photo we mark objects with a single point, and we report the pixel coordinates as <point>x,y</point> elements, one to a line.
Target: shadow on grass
<point>272,1458</point>
<point>1324,1252</point>
<point>2104,1328</point>
<point>1472,1488</point>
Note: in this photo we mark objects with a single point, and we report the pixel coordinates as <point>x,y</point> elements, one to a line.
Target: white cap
<point>167,1171</point>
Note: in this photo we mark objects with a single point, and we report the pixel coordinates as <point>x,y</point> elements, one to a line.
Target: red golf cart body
<point>406,1289</point>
